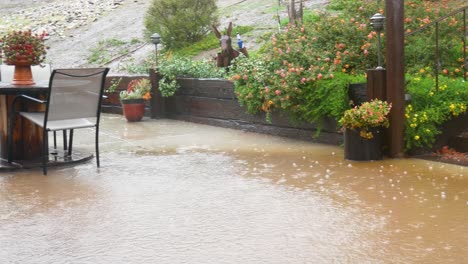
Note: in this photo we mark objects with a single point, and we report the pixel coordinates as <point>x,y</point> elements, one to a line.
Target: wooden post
<point>157,102</point>
<point>395,74</point>
<point>376,84</point>
<point>377,89</point>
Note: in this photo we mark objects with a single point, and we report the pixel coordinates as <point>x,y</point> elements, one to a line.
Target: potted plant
<point>134,97</point>
<point>363,134</point>
<point>23,49</point>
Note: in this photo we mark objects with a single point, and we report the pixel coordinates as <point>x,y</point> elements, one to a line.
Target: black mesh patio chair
<point>73,101</point>
<point>40,73</point>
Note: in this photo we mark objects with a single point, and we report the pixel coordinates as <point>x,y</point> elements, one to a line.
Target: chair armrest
<point>32,98</point>
<point>15,100</point>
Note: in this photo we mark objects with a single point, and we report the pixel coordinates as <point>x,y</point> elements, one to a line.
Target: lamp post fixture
<point>156,39</point>
<point>377,23</point>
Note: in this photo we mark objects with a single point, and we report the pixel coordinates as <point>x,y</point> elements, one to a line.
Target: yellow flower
<point>452,107</point>
<point>407,116</point>
<point>416,137</point>
<point>431,94</point>
<point>413,125</point>
<point>366,134</point>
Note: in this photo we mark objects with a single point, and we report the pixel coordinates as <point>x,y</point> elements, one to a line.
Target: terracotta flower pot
<point>133,109</point>
<point>22,74</point>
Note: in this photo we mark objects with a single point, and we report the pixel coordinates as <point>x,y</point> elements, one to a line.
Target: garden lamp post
<point>377,23</point>
<point>156,39</point>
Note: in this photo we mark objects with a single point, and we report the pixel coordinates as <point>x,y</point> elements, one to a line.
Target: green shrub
<point>172,67</point>
<point>430,108</point>
<point>180,23</point>
<point>420,47</point>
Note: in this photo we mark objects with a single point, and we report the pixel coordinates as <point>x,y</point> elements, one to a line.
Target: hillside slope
<point>77,26</point>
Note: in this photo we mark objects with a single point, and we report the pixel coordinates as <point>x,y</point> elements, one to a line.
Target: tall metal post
<point>377,22</point>
<point>157,102</point>
<point>395,74</point>
<point>156,39</point>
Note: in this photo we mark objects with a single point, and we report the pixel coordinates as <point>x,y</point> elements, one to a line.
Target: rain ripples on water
<point>232,197</point>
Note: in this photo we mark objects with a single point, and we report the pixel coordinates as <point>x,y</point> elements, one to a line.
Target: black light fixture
<point>377,22</point>
<point>156,39</point>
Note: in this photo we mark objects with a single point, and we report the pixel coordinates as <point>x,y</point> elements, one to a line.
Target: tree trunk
<point>295,16</point>
<point>292,11</point>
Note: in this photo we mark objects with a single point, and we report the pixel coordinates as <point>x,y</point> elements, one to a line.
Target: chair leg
<point>64,139</point>
<point>45,151</point>
<point>55,139</point>
<point>70,145</point>
<point>97,146</point>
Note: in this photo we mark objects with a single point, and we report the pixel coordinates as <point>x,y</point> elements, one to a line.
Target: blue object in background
<point>240,43</point>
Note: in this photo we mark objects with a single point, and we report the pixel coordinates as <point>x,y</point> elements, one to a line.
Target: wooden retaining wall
<point>213,102</point>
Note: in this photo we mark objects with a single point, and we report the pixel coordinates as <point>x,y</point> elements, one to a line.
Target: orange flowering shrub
<point>419,49</point>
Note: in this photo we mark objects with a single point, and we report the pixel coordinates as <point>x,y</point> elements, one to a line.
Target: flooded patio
<point>177,192</point>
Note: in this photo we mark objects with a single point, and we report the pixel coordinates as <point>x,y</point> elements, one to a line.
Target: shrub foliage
<point>180,23</point>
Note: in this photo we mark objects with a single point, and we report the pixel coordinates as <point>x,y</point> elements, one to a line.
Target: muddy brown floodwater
<point>176,192</point>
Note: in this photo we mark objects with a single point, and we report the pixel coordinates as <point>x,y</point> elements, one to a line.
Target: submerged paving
<point>177,192</point>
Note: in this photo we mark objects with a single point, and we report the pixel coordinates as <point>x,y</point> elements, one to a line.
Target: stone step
<point>460,142</point>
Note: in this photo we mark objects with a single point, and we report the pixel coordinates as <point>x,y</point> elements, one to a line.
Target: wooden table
<point>27,137</point>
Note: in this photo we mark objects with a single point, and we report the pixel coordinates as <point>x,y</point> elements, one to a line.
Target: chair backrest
<point>75,93</point>
<point>40,72</point>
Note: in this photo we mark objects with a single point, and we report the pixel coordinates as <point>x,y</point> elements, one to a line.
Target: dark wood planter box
<point>362,149</point>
